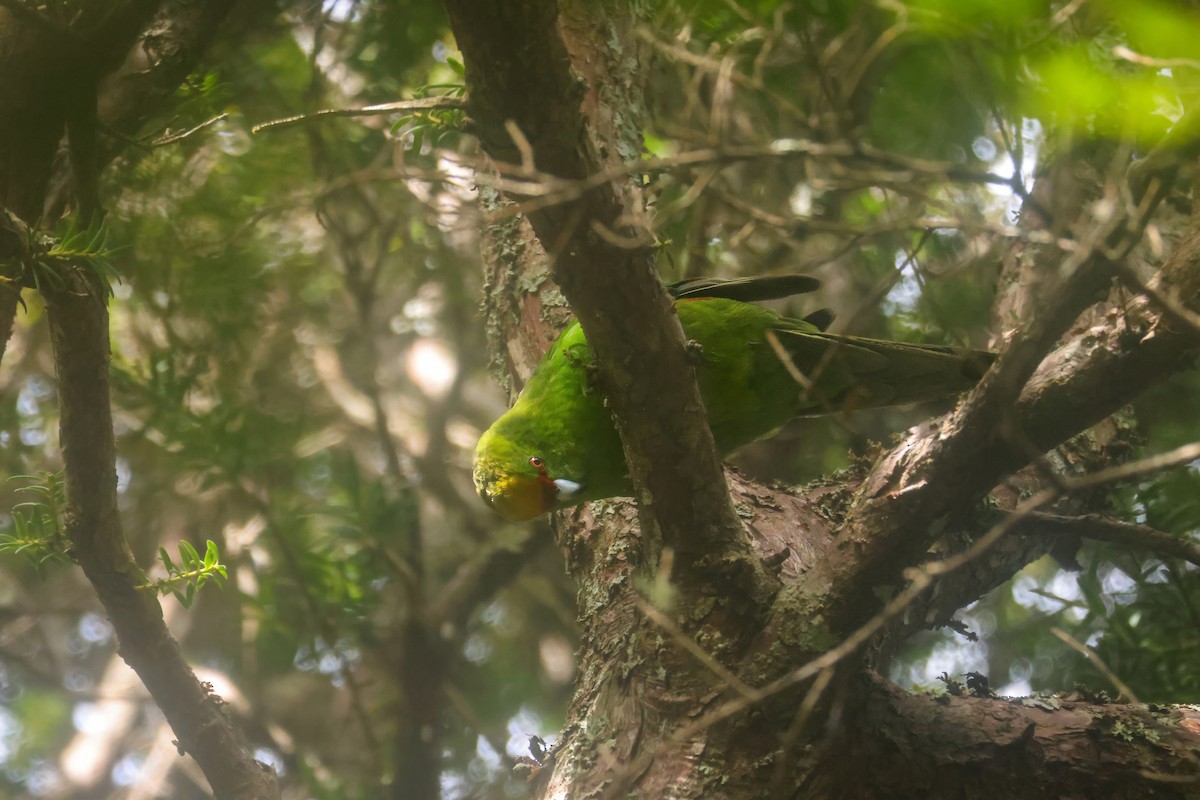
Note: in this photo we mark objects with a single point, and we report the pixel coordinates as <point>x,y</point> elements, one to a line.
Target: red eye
<point>536,462</point>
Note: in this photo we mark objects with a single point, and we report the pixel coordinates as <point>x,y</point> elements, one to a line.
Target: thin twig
<point>1125,54</point>
<point>794,224</point>
<point>442,103</point>
<point>1094,526</point>
<point>547,190</point>
<point>712,65</point>
<point>688,643</point>
<point>1170,305</point>
<point>1065,13</point>
<point>864,62</point>
<point>789,364</point>
<point>1136,469</point>
<point>1096,662</point>
<point>785,762</point>
<point>178,137</point>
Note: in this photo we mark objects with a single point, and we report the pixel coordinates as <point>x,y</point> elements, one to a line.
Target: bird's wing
<point>850,372</point>
<point>746,290</point>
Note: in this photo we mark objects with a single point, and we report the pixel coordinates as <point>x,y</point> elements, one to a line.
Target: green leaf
<point>188,555</point>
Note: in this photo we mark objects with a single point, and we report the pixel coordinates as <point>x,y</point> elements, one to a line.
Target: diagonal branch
<point>1090,377</point>
<point>78,317</point>
<point>1104,368</point>
<point>916,492</point>
<point>1103,529</point>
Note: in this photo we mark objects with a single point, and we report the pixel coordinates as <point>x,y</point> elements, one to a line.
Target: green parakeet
<point>557,446</point>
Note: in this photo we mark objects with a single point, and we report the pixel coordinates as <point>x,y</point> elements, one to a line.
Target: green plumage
<point>561,423</point>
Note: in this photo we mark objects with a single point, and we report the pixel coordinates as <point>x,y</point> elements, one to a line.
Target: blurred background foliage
<point>301,371</point>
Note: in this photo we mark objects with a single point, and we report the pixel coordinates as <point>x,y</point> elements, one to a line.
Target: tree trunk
<point>729,657</point>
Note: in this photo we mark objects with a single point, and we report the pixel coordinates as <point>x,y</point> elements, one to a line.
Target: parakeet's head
<point>516,480</point>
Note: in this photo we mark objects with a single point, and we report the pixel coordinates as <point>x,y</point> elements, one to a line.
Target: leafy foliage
<point>43,256</point>
<point>37,524</point>
<point>190,574</point>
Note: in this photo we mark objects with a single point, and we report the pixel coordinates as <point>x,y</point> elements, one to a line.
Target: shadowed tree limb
<point>916,492</point>
<point>1095,373</point>
<point>78,318</point>
<point>1063,746</point>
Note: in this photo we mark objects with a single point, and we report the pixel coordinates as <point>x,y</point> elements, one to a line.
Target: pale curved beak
<point>568,489</point>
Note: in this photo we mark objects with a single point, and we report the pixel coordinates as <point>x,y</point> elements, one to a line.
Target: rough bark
<point>703,695</point>
<point>575,105</point>
<point>922,487</point>
<point>907,745</point>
